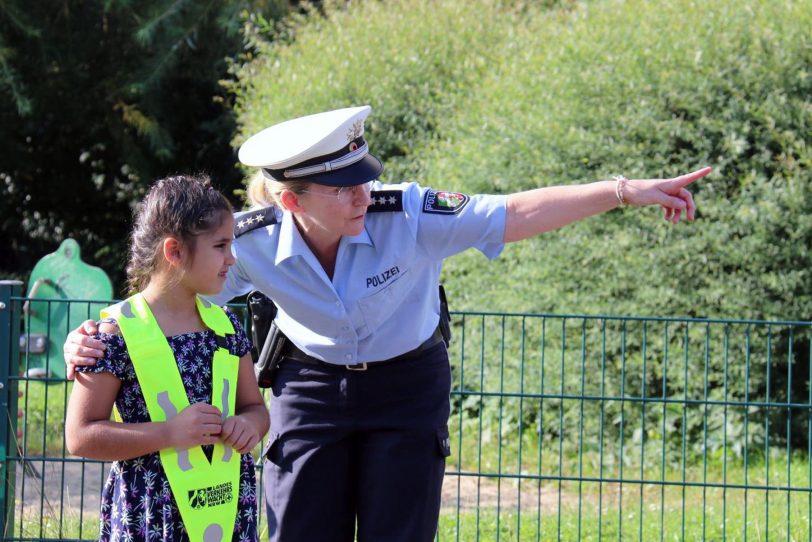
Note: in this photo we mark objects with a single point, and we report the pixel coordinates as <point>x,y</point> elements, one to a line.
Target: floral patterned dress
<point>137,502</point>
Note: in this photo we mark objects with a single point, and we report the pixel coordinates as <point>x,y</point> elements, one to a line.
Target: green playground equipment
<point>63,291</point>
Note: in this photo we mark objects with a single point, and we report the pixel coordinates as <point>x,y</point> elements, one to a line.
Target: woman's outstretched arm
<point>543,209</point>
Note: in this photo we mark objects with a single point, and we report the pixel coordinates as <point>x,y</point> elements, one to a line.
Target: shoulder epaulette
<point>253,220</point>
<point>384,201</point>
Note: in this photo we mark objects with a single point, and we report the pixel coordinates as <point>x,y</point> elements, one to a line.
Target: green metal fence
<point>565,427</point>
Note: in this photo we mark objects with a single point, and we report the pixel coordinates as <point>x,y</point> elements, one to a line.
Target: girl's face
<point>208,263</point>
<point>334,212</point>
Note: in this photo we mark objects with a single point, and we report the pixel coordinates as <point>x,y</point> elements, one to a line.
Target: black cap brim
<point>366,169</point>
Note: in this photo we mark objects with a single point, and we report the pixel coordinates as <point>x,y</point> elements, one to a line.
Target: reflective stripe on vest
<point>206,493</point>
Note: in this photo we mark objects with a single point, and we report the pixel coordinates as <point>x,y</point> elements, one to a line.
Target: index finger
<point>684,180</point>
<point>208,418</point>
<point>79,346</point>
<point>206,408</point>
<point>88,346</point>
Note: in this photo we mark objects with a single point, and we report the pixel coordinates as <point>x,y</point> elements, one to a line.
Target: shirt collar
<point>362,238</point>
<point>291,242</point>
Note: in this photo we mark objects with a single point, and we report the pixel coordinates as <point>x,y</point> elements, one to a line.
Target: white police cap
<point>326,148</point>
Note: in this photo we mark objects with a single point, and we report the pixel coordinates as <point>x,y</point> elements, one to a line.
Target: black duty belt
<point>291,351</point>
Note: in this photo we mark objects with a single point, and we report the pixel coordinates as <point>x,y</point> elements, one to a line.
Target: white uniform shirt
<point>383,299</point>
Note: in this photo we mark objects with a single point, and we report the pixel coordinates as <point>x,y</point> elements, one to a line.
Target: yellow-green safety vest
<point>206,492</point>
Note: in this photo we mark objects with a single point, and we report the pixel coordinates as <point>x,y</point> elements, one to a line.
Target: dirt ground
<point>471,492</point>
<point>48,488</point>
<point>41,488</point>
<point>40,493</point>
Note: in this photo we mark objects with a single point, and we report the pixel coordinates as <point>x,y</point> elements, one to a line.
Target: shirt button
<point>348,357</point>
<point>345,328</point>
<point>338,303</point>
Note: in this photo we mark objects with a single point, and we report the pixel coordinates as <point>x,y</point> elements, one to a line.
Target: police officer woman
<point>360,401</point>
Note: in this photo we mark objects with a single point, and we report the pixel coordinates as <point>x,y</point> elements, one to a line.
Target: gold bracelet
<point>620,184</point>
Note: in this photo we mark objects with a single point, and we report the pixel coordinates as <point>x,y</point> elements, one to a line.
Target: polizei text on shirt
<point>381,278</point>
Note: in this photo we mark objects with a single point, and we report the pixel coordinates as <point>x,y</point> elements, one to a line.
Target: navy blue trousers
<point>354,449</point>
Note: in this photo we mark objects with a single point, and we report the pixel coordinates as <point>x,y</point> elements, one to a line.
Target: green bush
<point>499,96</point>
<point>411,60</point>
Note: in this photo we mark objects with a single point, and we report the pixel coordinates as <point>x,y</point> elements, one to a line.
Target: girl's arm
<point>543,209</point>
<point>90,433</point>
<point>250,423</point>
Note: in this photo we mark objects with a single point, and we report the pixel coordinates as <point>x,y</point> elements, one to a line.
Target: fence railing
<point>565,427</point>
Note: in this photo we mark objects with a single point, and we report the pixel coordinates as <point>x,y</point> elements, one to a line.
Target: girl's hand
<point>81,348</point>
<point>670,194</point>
<point>196,425</point>
<point>239,433</point>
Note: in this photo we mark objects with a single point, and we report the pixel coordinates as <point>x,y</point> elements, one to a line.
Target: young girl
<point>179,372</point>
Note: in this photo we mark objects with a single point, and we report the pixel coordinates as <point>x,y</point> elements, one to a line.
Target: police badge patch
<point>444,203</point>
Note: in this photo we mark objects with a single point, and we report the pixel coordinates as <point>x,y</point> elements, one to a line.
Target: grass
<point>489,509</point>
<point>492,508</point>
<point>43,406</point>
<point>710,519</point>
<point>545,492</point>
<point>50,526</point>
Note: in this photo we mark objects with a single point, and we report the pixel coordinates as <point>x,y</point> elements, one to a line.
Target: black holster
<point>445,318</point>
<point>268,339</point>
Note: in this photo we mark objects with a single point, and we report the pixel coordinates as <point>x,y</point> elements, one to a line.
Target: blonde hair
<point>263,191</point>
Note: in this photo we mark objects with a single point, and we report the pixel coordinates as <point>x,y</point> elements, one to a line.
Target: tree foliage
<point>100,98</point>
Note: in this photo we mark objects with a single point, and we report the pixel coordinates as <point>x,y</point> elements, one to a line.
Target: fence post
<point>9,368</point>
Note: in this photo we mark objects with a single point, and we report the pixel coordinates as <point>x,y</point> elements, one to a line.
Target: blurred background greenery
<point>100,98</point>
<point>478,96</point>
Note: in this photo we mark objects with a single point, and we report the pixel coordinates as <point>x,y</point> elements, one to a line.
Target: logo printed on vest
<point>210,496</point>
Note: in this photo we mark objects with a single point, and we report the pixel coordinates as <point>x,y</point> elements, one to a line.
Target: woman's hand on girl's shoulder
<point>81,348</point>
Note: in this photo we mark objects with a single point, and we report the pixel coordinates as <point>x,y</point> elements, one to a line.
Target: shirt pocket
<point>377,308</point>
<point>271,445</point>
